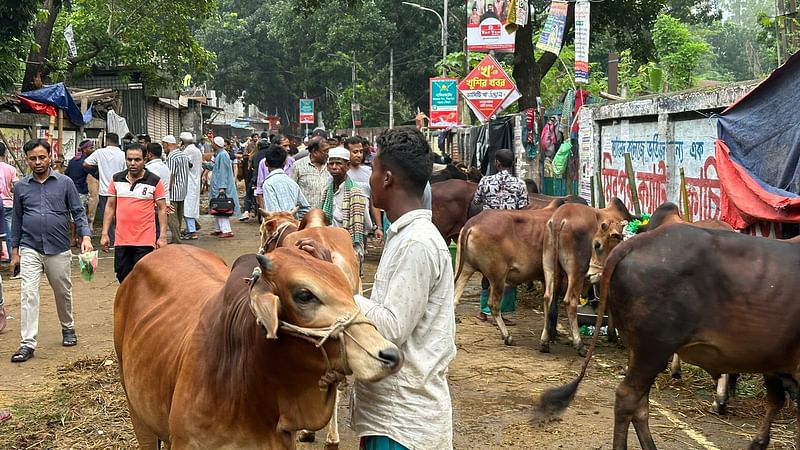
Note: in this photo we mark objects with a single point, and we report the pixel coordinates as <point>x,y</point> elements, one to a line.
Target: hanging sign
<point>553,31</point>
<point>443,112</point>
<point>486,87</point>
<point>307,110</point>
<point>582,41</point>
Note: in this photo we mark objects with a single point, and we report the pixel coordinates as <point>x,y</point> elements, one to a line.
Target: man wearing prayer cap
<point>344,203</point>
<point>191,204</point>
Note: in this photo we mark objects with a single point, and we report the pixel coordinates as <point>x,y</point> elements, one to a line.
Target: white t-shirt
<point>109,160</point>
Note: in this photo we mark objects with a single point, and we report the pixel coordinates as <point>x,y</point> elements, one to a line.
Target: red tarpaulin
<point>37,107</point>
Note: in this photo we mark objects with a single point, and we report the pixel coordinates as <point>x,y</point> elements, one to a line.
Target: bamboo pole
<point>601,195</point>
<point>687,217</point>
<point>591,186</point>
<point>637,209</point>
<point>51,130</point>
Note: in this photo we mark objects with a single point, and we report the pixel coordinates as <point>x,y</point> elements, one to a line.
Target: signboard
<point>486,88</point>
<point>586,152</point>
<point>582,11</point>
<point>486,20</point>
<point>443,111</point>
<point>355,108</point>
<point>553,31</point>
<point>307,110</point>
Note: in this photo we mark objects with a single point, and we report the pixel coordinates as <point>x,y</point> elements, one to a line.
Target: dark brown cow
<point>506,247</point>
<point>451,202</point>
<point>537,201</point>
<point>723,301</point>
<point>197,369</point>
<point>573,233</point>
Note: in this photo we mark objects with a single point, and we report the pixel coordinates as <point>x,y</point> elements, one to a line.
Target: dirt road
<point>493,386</point>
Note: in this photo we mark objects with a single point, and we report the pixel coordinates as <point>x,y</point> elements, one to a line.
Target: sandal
<point>23,354</point>
<point>189,237</point>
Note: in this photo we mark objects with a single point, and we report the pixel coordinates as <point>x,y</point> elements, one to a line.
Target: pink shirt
<point>8,176</point>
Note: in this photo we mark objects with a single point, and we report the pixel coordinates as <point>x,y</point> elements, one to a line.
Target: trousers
<point>58,269</point>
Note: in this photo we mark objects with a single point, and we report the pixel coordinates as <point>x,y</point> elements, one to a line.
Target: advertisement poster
<point>486,88</point>
<point>69,143</point>
<point>486,20</point>
<point>553,31</point>
<point>582,41</point>
<point>306,110</point>
<point>443,110</point>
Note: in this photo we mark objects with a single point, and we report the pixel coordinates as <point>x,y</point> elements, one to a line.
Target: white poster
<point>582,41</point>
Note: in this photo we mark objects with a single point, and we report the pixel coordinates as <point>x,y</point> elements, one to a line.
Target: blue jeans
<point>101,210</point>
<point>7,215</point>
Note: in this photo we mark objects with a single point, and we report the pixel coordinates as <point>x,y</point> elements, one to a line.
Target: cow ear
<point>266,306</point>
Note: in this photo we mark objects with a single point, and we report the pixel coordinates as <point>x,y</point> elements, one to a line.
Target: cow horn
<point>264,262</point>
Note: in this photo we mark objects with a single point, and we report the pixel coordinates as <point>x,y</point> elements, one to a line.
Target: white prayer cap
<point>169,139</point>
<point>219,141</point>
<point>339,152</point>
<point>187,137</point>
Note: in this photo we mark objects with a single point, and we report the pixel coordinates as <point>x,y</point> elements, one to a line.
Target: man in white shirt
<point>108,160</point>
<point>158,167</point>
<point>411,305</point>
<point>191,205</point>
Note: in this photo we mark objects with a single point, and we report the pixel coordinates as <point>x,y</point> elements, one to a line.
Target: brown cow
<point>451,203</point>
<point>723,301</point>
<point>572,233</point>
<point>506,247</point>
<point>197,369</point>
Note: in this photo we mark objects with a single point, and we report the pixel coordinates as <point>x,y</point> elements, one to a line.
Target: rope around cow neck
<point>274,238</point>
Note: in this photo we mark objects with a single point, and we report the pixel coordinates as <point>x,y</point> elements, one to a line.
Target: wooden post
<point>601,196</point>
<point>591,184</point>
<point>637,209</point>
<point>51,130</point>
<point>687,216</point>
<point>60,149</point>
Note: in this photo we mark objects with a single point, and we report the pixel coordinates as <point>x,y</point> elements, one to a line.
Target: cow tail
<point>552,317</point>
<point>462,245</point>
<point>554,401</point>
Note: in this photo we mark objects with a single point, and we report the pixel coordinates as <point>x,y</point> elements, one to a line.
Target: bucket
<point>453,250</point>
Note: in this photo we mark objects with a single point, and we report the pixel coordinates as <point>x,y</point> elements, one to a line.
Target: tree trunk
<point>36,66</point>
<point>528,72</point>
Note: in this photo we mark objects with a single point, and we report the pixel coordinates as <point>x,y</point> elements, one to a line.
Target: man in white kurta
<point>411,305</point>
<point>191,204</point>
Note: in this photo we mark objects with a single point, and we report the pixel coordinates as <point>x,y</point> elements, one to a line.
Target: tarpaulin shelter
<point>758,151</point>
<point>54,95</point>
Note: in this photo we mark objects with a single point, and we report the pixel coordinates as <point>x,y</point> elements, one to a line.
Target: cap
<point>169,139</point>
<point>339,152</point>
<point>187,137</point>
<point>219,141</point>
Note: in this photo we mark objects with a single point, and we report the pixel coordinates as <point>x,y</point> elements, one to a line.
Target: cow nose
<point>598,246</point>
<point>392,358</point>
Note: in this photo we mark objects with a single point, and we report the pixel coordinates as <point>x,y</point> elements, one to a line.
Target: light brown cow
<point>572,232</point>
<point>506,247</point>
<point>215,359</point>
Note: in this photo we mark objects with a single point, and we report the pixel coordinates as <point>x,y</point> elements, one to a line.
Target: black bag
<point>221,206</point>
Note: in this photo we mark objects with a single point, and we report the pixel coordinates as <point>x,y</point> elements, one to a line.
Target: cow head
<point>610,223</point>
<point>291,290</point>
<point>271,227</point>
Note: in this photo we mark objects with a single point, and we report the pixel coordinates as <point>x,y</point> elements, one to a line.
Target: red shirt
<point>135,214</point>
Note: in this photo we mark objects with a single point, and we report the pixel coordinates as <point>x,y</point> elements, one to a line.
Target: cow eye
<point>305,297</point>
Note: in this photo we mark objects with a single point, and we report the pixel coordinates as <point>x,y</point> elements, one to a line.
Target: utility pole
<point>444,40</point>
<point>391,88</point>
<point>353,113</point>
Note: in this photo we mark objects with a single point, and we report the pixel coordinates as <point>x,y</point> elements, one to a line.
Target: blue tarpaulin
<point>58,96</point>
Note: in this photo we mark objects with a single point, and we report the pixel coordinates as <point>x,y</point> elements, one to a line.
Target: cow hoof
<point>306,436</point>
<point>613,338</point>
<point>544,347</point>
<point>718,409</point>
<point>758,444</point>
<point>508,340</point>
<point>331,446</point>
<point>676,375</point>
<point>582,351</point>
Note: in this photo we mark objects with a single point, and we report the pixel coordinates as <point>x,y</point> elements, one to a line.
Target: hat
<point>187,137</point>
<point>169,139</point>
<point>339,152</point>
<point>219,141</point>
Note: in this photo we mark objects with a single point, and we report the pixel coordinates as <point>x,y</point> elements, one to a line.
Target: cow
<point>454,171</point>
<point>537,201</point>
<point>451,203</point>
<point>576,236</point>
<point>506,247</point>
<point>242,358</point>
<point>722,301</point>
<point>281,229</point>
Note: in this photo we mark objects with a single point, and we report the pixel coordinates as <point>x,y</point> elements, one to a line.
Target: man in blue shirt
<point>281,193</point>
<point>43,204</point>
<point>77,173</point>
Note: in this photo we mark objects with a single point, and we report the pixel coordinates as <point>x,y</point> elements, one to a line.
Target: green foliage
<point>561,77</point>
<point>677,52</point>
<point>15,39</point>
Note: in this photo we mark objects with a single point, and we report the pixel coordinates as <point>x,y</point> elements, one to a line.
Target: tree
<point>678,53</point>
<point>36,69</point>
<point>14,39</point>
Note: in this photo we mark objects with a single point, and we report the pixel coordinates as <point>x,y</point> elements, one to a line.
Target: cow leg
<point>144,436</point>
<point>632,399</point>
<point>675,367</point>
<point>495,297</point>
<point>776,397</point>
<point>720,405</point>
<point>332,438</point>
<point>544,341</point>
<point>574,288</point>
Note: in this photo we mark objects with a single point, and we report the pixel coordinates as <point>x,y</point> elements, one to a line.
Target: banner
<point>582,41</point>
<point>553,31</point>
<point>486,30</point>
<point>486,88</point>
<point>307,110</point>
<point>69,35</point>
<point>443,112</point>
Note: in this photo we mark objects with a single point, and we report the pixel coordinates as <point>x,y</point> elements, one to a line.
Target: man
<point>222,184</point>
<point>8,176</point>
<point>311,174</point>
<point>344,203</point>
<point>144,140</point>
<point>255,162</point>
<point>280,192</point>
<point>76,172</point>
<point>500,191</point>
<point>246,175</point>
<point>283,142</point>
<point>155,164</point>
<point>360,173</point>
<point>474,18</point>
<point>178,164</point>
<point>191,204</point>
<point>108,160</point>
<point>411,305</point>
<point>43,204</point>
<point>133,195</point>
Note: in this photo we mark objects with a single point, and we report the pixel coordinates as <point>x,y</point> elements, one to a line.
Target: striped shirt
<point>312,181</point>
<point>283,194</point>
<point>136,214</point>
<point>178,164</point>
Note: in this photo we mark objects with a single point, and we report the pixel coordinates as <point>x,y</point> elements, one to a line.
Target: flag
<point>582,41</point>
<point>69,35</point>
